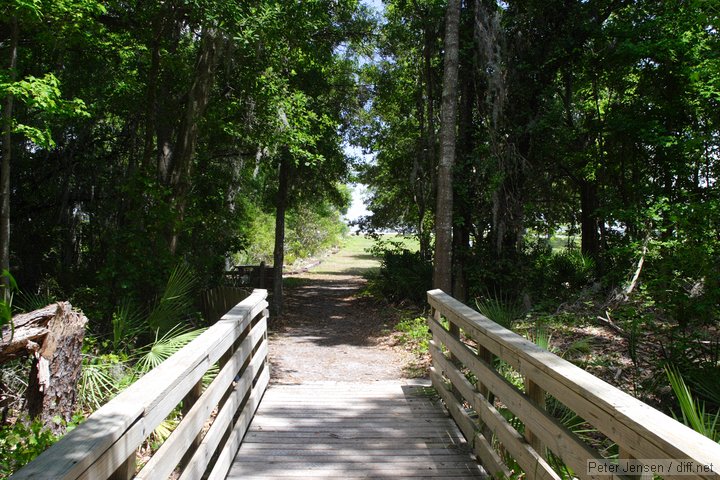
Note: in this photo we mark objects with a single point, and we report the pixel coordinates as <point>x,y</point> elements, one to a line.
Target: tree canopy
<point>139,135</point>
<point>593,118</point>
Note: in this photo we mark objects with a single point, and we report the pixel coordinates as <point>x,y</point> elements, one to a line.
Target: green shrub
<point>693,412</point>
<point>24,440</point>
<point>404,274</point>
<point>556,275</point>
<point>309,230</point>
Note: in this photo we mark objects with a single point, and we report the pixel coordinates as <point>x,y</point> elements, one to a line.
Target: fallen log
<point>53,336</point>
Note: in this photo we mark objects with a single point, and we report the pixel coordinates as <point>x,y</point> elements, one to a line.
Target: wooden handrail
<point>260,276</point>
<point>104,445</point>
<point>640,431</point>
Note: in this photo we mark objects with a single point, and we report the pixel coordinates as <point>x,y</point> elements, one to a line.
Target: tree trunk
<point>180,166</point>
<point>442,275</point>
<point>279,252</point>
<point>54,336</point>
<point>6,157</point>
<point>422,163</point>
<point>461,202</point>
<point>589,225</point>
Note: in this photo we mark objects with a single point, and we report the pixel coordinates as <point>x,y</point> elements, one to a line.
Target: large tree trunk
<point>442,274</point>
<point>180,158</point>
<point>6,157</point>
<point>53,336</point>
<point>461,202</point>
<point>279,252</point>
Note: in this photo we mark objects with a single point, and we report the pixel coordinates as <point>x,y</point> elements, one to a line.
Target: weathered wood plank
<point>388,433</point>
<point>390,449</point>
<point>224,462</point>
<point>350,457</point>
<point>289,438</point>
<point>463,420</point>
<point>490,459</point>
<point>376,472</point>
<point>200,460</point>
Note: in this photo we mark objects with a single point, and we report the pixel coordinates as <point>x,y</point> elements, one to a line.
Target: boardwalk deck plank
<point>343,430</point>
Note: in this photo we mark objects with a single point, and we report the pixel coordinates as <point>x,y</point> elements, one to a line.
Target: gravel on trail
<point>328,332</point>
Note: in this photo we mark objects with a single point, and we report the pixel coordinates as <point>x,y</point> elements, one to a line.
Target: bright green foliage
<point>101,378</point>
<point>24,440</point>
<point>594,119</point>
<point>400,122</point>
<point>7,292</point>
<point>415,332</point>
<point>176,300</point>
<point>310,229</point>
<point>148,157</point>
<point>162,348</point>
<point>694,414</point>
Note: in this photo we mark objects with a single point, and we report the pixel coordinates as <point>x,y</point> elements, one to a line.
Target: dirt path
<point>328,331</point>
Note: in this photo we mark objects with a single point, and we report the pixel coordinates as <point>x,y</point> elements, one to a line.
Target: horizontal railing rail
<point>646,437</point>
<point>104,446</point>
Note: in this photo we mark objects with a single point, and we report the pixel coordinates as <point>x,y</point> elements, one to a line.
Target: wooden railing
<point>641,432</point>
<point>104,446</point>
<point>259,276</point>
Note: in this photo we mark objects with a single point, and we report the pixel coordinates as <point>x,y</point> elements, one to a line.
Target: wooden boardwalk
<point>351,430</point>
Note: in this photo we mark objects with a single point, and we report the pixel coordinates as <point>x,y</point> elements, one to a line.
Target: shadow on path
<point>329,331</point>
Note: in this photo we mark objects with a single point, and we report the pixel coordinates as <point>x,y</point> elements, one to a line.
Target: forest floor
<point>330,331</point>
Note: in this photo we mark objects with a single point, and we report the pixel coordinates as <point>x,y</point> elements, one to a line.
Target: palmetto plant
<point>162,348</point>
<point>694,414</point>
<point>175,302</point>
<point>27,301</point>
<point>128,324</point>
<point>106,375</point>
<point>499,311</point>
<point>100,379</point>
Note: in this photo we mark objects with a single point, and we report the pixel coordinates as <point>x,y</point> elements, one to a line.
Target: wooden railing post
<point>623,454</point>
<point>188,402</point>
<point>486,356</point>
<point>125,471</point>
<point>537,396</point>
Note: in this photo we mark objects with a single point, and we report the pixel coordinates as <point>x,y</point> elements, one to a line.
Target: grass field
<point>352,258</point>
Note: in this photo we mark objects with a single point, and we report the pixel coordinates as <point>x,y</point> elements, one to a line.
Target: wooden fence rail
<point>104,446</point>
<point>640,431</point>
<point>258,276</point>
